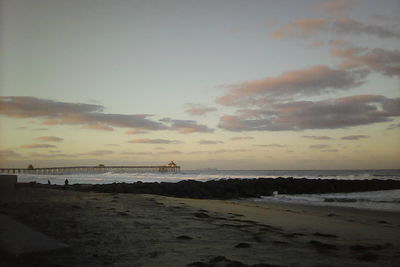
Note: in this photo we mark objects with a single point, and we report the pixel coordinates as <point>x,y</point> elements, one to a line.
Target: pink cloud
<point>237,138</point>
<point>337,42</point>
<point>210,142</point>
<point>89,115</point>
<point>386,62</point>
<point>273,145</point>
<point>323,137</point>
<point>336,7</point>
<point>133,132</point>
<point>198,109</point>
<point>50,139</point>
<point>304,82</point>
<point>154,141</point>
<point>33,146</point>
<point>300,28</point>
<point>318,146</point>
<point>354,137</point>
<point>99,127</point>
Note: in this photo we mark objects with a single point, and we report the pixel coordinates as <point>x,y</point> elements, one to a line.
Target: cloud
<point>353,27</point>
<point>39,129</point>
<point>307,27</point>
<point>318,146</point>
<point>135,132</point>
<point>323,137</point>
<point>316,44</point>
<point>99,127</point>
<point>330,150</point>
<point>176,152</point>
<point>273,145</point>
<point>88,115</point>
<point>310,81</point>
<point>51,155</point>
<point>300,28</point>
<point>337,42</point>
<point>128,153</point>
<point>210,142</point>
<point>198,109</point>
<point>386,62</point>
<point>50,139</point>
<point>33,146</point>
<point>98,153</point>
<point>5,154</point>
<point>237,138</point>
<point>154,141</point>
<point>219,151</point>
<point>354,137</point>
<point>326,114</point>
<point>187,126</point>
<point>336,7</point>
<point>229,151</point>
<point>21,128</point>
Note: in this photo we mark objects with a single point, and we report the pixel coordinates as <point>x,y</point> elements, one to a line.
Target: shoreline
<point>236,187</point>
<point>114,229</point>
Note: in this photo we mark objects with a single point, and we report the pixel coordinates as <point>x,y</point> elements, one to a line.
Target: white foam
<point>388,200</point>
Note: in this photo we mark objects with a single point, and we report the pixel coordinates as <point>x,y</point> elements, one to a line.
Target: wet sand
<point>105,229</point>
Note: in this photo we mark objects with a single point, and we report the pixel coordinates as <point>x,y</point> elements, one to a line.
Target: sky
<point>209,84</point>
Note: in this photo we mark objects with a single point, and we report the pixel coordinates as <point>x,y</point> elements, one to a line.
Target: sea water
<point>381,200</point>
<point>206,175</point>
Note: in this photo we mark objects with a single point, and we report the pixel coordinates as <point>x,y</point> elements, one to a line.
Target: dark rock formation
<point>240,188</point>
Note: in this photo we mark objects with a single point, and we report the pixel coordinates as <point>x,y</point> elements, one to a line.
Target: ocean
<point>378,200</point>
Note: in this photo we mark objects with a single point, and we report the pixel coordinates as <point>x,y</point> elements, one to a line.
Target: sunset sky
<point>220,84</point>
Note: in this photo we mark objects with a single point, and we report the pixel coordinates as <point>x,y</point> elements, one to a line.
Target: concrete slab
<point>17,239</point>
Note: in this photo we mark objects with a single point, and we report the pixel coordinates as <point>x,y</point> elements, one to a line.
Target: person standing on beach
<point>66,182</point>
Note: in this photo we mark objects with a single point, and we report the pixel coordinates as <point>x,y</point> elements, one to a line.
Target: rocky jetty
<point>239,188</point>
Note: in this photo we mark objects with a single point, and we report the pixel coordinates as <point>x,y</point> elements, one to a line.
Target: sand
<point>148,230</point>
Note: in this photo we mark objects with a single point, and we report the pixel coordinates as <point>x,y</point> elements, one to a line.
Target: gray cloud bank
<point>88,115</point>
<point>327,114</point>
<point>307,27</point>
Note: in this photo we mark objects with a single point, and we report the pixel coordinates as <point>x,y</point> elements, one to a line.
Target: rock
<point>236,188</point>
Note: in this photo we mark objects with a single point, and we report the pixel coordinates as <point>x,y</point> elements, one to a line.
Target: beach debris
<point>384,222</point>
<point>277,242</point>
<point>243,245</point>
<point>294,235</point>
<point>322,247</point>
<point>324,235</point>
<point>184,237</point>
<point>368,256</point>
<point>223,261</point>
<point>201,215</point>
<point>361,248</point>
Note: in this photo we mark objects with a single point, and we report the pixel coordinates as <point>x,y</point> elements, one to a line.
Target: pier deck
<point>92,169</point>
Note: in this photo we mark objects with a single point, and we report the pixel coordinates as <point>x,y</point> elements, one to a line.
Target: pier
<point>170,168</point>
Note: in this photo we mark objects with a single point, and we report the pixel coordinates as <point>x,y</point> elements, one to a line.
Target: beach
<point>116,229</point>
